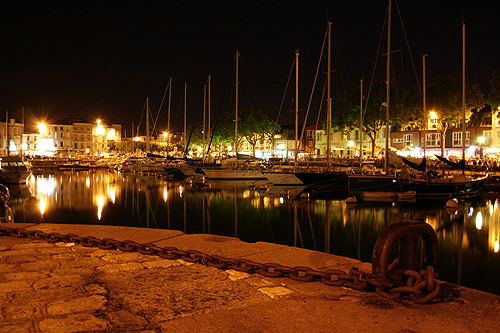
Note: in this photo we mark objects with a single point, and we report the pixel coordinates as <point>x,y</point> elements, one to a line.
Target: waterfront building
<point>11,137</point>
<point>347,144</point>
<point>480,138</point>
<point>69,138</point>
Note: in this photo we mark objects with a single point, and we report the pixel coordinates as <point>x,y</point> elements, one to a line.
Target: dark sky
<point>93,59</point>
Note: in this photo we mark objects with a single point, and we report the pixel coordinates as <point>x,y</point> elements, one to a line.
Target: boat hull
<point>445,188</point>
<point>359,183</point>
<point>13,170</point>
<point>283,178</point>
<point>233,174</point>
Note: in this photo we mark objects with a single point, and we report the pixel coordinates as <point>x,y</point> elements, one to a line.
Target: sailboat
<point>234,168</point>
<point>384,183</point>
<point>432,185</point>
<point>319,182</point>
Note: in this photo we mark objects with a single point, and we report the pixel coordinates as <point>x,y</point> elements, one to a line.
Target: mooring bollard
<point>408,235</point>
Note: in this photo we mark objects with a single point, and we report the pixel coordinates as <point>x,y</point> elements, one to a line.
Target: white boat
<point>235,168</point>
<point>13,170</point>
<point>232,169</point>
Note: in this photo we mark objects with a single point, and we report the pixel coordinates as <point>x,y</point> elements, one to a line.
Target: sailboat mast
<point>185,113</point>
<point>388,90</point>
<point>296,106</point>
<point>7,131</point>
<point>463,94</point>
<point>147,124</point>
<point>236,106</point>
<point>208,118</point>
<point>329,99</point>
<point>204,117</point>
<point>361,124</point>
<point>424,99</point>
<point>168,120</point>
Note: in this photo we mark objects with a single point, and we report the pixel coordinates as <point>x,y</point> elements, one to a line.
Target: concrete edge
<point>225,246</point>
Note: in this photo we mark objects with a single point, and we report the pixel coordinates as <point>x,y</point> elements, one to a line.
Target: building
<point>74,137</point>
<point>11,137</point>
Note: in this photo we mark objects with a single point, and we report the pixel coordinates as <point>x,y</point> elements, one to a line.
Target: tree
<point>254,125</point>
<point>444,97</point>
<point>223,132</point>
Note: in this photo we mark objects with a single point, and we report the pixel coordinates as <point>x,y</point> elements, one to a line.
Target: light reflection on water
<point>468,237</point>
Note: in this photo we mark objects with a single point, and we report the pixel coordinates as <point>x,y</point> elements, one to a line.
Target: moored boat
<point>445,187</point>
<point>13,170</point>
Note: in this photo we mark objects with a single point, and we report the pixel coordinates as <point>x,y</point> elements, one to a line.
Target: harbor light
<point>12,146</point>
<point>42,127</point>
<point>99,130</point>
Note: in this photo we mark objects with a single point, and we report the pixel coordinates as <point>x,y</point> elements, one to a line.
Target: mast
<point>236,107</point>
<point>168,120</point>
<point>296,106</point>
<point>185,112</point>
<point>147,124</point>
<point>424,106</point>
<point>329,100</point>
<point>388,91</point>
<point>204,113</point>
<point>463,94</point>
<point>208,109</point>
<point>22,120</point>
<point>361,124</point>
<point>7,131</point>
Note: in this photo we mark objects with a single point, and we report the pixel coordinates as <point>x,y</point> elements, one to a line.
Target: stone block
<point>125,257</point>
<point>25,311</point>
<point>12,286</point>
<point>114,268</point>
<point>27,276</point>
<point>83,304</point>
<point>58,281</point>
<point>123,320</point>
<point>83,322</point>
<point>95,289</point>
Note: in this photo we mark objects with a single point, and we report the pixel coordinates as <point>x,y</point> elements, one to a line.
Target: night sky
<point>101,59</point>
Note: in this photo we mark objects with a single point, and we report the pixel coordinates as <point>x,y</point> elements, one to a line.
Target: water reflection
<point>468,235</point>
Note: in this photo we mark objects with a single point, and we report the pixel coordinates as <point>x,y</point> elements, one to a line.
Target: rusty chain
<point>418,287</point>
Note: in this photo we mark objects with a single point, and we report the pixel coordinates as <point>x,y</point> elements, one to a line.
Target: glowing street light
<point>41,128</point>
<point>99,130</point>
<point>481,140</point>
<point>165,135</point>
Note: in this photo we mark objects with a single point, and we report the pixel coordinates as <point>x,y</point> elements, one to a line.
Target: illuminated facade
<point>73,138</point>
<point>11,136</point>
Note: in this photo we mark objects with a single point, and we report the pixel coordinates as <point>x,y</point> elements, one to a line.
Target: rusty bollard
<point>408,261</point>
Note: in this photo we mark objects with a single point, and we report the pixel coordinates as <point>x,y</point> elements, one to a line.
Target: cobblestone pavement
<point>64,287</point>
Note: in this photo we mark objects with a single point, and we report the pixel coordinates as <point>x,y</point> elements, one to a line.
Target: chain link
<point>419,287</point>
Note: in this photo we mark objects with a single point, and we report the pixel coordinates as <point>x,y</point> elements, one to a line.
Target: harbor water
<point>468,235</point>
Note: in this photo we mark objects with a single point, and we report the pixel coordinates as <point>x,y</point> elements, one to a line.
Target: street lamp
<point>41,128</point>
<point>481,140</point>
<point>351,144</point>
<point>100,128</point>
